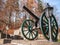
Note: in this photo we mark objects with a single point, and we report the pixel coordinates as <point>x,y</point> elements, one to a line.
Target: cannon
<point>47,24</point>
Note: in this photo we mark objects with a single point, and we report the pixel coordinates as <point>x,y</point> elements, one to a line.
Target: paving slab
<point>27,42</point>
<point>35,42</point>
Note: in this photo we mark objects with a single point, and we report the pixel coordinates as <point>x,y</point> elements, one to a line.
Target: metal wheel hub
<point>30,28</point>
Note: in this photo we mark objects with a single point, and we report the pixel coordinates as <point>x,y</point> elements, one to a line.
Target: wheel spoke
<point>45,22</point>
<point>47,35</point>
<point>54,28</point>
<point>34,33</point>
<point>45,25</point>
<point>46,18</point>
<point>27,33</point>
<point>34,30</point>
<point>54,34</point>
<point>52,21</point>
<point>46,30</point>
<point>25,29</point>
<point>27,22</point>
<point>31,24</point>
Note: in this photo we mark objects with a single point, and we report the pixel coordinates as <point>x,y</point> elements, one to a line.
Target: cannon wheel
<point>45,27</point>
<point>28,30</point>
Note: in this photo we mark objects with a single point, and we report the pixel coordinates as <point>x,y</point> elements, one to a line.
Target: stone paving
<point>40,41</point>
<point>34,42</point>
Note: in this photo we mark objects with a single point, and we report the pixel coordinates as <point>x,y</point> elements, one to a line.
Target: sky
<point>56,5</point>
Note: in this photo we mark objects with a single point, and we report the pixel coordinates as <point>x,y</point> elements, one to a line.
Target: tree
<point>40,7</point>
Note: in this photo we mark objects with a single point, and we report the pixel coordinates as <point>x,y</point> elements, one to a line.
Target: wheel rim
<point>45,27</point>
<point>54,28</point>
<point>28,31</point>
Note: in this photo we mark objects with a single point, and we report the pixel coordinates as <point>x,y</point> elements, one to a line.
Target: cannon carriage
<point>46,22</point>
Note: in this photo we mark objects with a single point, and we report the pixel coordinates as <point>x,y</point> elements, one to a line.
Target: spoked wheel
<point>45,27</point>
<point>28,30</point>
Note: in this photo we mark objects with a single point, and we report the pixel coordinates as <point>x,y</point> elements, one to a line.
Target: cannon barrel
<point>32,14</point>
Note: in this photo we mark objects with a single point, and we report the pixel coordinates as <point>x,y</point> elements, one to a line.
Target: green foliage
<point>40,7</point>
